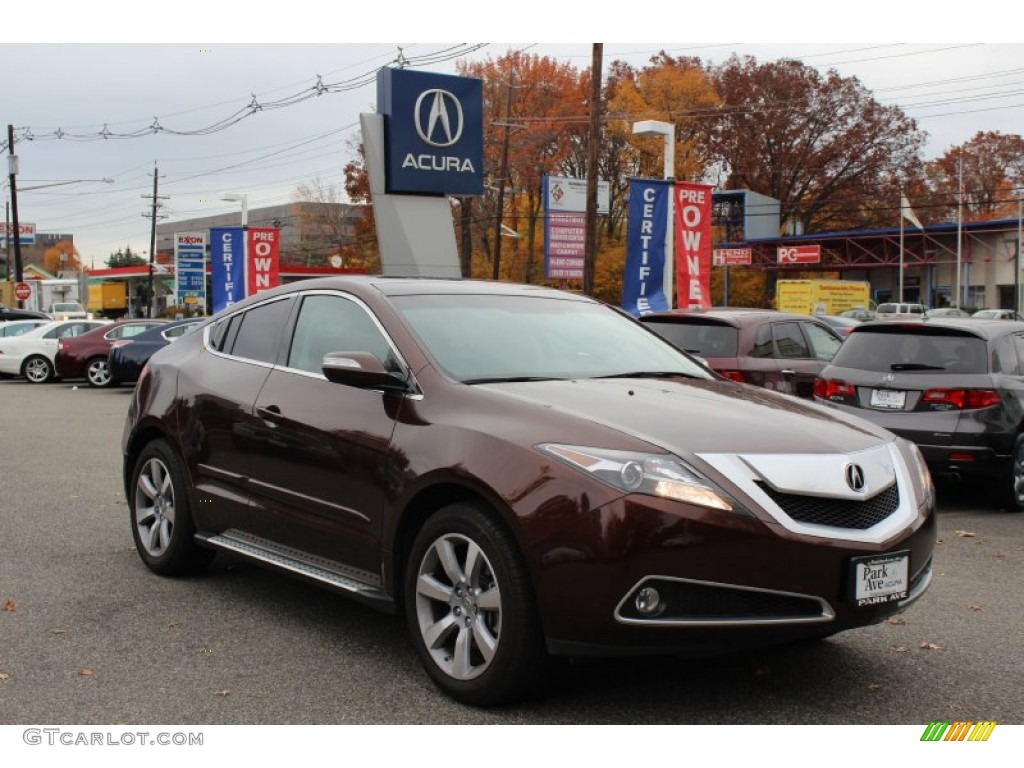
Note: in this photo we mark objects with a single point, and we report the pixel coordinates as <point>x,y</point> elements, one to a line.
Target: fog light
<point>648,602</point>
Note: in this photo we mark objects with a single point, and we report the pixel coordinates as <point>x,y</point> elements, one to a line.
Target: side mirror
<point>362,370</point>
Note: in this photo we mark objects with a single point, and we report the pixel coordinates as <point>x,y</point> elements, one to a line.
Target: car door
<point>802,348</point>
<point>322,462</point>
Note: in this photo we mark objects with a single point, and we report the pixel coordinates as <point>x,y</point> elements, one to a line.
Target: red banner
<point>262,252</point>
<point>693,244</point>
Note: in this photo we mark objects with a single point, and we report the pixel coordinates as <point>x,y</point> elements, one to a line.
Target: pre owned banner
<point>693,238</point>
<point>227,266</point>
<point>643,284</point>
<point>262,259</point>
<point>190,269</point>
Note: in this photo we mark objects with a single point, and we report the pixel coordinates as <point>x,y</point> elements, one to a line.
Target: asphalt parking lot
<point>89,635</point>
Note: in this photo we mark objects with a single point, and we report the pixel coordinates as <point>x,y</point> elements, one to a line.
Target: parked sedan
<point>85,356</point>
<point>953,386</point>
<point>841,324</point>
<point>31,354</point>
<point>127,357</point>
<point>998,314</point>
<point>774,350</point>
<point>518,471</point>
<point>19,327</point>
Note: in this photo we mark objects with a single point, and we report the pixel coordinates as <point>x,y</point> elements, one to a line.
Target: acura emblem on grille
<point>855,477</point>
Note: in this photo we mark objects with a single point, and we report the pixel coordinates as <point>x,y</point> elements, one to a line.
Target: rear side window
<point>260,330</point>
<point>912,352</point>
<point>706,340</point>
<point>824,344</point>
<point>790,341</point>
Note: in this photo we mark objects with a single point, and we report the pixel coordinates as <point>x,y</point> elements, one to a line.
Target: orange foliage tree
<point>62,256</point>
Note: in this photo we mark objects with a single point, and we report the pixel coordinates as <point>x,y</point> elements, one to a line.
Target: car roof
<point>736,316</point>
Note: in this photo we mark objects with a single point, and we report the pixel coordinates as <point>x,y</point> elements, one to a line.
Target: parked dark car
<point>953,386</point>
<point>127,357</point>
<point>13,313</point>
<point>774,350</point>
<point>842,325</point>
<point>519,471</point>
<point>85,356</point>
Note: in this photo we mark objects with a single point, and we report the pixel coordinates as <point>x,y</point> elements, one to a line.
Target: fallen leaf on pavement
<point>59,631</point>
<point>974,607</point>
<point>4,676</point>
<point>896,620</point>
<point>898,649</point>
<point>86,672</point>
<point>874,686</point>
<point>225,692</point>
<point>965,534</point>
<point>10,605</point>
<point>931,647</point>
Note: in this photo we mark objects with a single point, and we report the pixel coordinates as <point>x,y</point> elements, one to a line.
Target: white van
<point>899,310</point>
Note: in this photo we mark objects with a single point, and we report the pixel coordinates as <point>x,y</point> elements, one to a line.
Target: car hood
<point>700,416</point>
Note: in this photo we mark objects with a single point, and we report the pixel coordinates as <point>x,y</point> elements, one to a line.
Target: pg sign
<point>800,254</point>
<point>433,129</point>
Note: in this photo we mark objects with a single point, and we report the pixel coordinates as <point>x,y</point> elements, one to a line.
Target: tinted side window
<point>790,341</point>
<point>260,330</point>
<point>222,331</point>
<point>333,324</point>
<point>707,340</point>
<point>763,343</point>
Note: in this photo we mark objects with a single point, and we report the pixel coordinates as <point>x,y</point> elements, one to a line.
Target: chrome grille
<point>837,513</point>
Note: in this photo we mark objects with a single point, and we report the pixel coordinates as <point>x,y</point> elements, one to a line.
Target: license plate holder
<point>890,399</point>
<point>878,579</point>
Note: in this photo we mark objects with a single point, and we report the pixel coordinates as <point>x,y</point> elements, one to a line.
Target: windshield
<point>913,352</point>
<point>482,338</point>
<point>67,308</point>
<point>707,339</point>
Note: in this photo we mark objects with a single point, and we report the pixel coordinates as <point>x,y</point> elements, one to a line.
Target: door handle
<point>787,373</point>
<point>269,411</point>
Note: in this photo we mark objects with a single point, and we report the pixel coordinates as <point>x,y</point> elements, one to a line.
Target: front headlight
<point>653,474</point>
<point>920,469</point>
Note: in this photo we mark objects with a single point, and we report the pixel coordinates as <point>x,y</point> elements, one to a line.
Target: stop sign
<point>22,291</point>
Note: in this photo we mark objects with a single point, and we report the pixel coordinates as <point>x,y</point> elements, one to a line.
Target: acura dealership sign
<point>433,128</point>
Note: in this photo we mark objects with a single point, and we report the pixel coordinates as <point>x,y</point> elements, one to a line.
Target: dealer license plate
<point>888,398</point>
<point>881,578</point>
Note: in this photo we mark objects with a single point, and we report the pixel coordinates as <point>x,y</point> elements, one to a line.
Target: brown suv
<point>520,472</point>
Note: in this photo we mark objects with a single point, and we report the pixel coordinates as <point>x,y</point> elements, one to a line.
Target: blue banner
<point>643,282</point>
<point>227,266</point>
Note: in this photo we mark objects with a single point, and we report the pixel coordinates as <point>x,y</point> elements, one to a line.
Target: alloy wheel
<point>38,370</point>
<point>97,372</point>
<point>154,507</point>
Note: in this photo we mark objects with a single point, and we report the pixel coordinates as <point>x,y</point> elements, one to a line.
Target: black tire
<point>1010,494</point>
<point>97,372</point>
<point>489,613</point>
<point>161,519</point>
<point>37,369</point>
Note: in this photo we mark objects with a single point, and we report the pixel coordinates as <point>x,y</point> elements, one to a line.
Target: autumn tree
<point>993,171</point>
<point>326,219</point>
<point>62,256</point>
<point>819,143</point>
<point>363,249</point>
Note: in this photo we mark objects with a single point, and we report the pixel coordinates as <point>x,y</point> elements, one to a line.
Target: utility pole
<point>501,181</point>
<point>466,217</point>
<point>12,164</point>
<point>152,215</point>
<point>594,139</point>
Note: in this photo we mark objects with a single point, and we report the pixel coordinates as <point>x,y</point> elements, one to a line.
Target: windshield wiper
<point>648,375</point>
<point>509,379</point>
<point>916,367</point>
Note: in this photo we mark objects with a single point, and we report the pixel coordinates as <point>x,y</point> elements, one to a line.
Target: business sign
<point>26,233</point>
<point>800,254</point>
<point>563,193</point>
<point>227,266</point>
<point>262,259</point>
<point>565,245</point>
<point>643,284</point>
<point>190,268</point>
<point>433,132</point>
<point>731,257</point>
<point>693,244</point>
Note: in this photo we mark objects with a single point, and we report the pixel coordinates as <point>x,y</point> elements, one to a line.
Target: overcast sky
<point>69,72</point>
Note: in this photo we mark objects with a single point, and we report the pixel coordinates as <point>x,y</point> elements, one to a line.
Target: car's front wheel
<point>1011,495</point>
<point>37,369</point>
<point>162,523</point>
<point>97,373</point>
<point>470,608</point>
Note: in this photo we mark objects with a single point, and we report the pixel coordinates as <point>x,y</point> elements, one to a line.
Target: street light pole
<point>233,197</point>
<point>12,166</point>
<point>668,132</point>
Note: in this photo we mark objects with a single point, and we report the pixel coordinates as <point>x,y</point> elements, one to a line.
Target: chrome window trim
<point>218,353</point>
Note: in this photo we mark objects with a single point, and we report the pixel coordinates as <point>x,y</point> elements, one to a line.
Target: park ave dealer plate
<point>881,578</point>
<point>888,398</point>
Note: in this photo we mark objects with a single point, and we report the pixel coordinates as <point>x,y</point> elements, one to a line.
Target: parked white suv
<point>67,310</point>
<point>890,310</point>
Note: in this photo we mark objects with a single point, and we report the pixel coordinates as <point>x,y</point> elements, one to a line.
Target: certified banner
<point>262,269</point>
<point>643,284</point>
<point>190,269</point>
<point>227,266</point>
<point>693,235</point>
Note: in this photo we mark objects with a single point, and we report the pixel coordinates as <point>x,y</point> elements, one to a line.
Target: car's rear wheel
<point>470,608</point>
<point>37,369</point>
<point>162,523</point>
<point>1011,495</point>
<point>97,372</point>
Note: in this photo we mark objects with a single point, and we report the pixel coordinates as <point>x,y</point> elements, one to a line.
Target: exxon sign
<point>433,132</point>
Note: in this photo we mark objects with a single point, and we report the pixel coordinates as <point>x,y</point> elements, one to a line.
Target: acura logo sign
<point>443,122</point>
<point>855,477</point>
